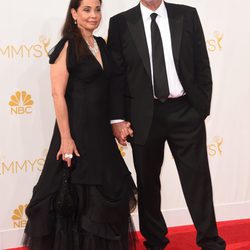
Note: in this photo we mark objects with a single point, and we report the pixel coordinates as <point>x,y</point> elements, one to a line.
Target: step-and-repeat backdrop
<point>29,29</point>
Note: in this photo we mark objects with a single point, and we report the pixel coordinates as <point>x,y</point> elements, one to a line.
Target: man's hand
<point>121,131</point>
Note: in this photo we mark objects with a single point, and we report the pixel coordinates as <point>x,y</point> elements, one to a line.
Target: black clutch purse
<point>66,199</point>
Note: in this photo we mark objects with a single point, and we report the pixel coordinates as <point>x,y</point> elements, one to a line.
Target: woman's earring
<point>75,22</point>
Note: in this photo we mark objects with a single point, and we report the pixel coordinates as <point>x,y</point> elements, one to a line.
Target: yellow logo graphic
<point>19,218</point>
<point>215,43</point>
<point>35,50</point>
<point>22,167</point>
<point>215,148</point>
<point>45,43</point>
<point>21,103</point>
<point>121,150</point>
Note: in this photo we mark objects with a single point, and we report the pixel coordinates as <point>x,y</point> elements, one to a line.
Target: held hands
<point>67,149</point>
<point>121,131</point>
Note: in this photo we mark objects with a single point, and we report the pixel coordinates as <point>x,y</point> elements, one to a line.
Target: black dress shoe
<point>213,244</point>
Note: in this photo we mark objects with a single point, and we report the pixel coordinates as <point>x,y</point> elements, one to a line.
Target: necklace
<point>93,49</point>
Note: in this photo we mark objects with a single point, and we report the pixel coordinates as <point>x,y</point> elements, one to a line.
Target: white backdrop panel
<point>30,28</point>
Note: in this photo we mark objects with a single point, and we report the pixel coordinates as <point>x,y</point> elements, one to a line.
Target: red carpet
<point>236,234</point>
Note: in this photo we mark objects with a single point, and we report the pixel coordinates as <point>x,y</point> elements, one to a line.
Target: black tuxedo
<point>129,48</point>
<point>180,121</point>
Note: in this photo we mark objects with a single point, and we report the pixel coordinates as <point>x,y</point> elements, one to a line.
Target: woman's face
<point>88,15</point>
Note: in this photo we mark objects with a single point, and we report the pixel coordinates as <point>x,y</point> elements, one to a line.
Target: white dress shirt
<point>175,87</point>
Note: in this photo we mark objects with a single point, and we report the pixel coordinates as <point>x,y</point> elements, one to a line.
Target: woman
<point>93,212</point>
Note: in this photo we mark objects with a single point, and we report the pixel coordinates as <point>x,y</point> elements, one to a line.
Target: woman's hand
<point>67,149</point>
<point>121,131</point>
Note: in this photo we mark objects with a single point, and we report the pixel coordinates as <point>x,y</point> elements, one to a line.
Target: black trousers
<point>178,123</point>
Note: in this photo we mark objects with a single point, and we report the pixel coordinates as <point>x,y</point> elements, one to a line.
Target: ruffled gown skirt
<point>95,223</point>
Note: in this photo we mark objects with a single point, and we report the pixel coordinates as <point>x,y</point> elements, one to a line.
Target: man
<point>163,89</point>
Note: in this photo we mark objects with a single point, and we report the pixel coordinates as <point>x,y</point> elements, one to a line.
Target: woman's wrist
<point>66,138</point>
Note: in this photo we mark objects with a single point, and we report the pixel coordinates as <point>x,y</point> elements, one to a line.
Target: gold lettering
<point>211,45</point>
<point>219,38</point>
<point>28,110</point>
<point>5,51</point>
<point>14,110</point>
<point>32,165</point>
<point>28,49</point>
<point>211,149</point>
<point>21,167</point>
<point>5,168</point>
<point>38,49</point>
<point>23,223</point>
<point>35,50</point>
<point>21,110</point>
<point>15,51</point>
<point>17,224</point>
<point>40,163</point>
<point>219,142</point>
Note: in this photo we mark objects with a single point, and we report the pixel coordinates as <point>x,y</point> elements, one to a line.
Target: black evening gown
<point>102,184</point>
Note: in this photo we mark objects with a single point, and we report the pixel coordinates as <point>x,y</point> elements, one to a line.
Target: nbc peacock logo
<point>21,103</point>
<point>19,218</point>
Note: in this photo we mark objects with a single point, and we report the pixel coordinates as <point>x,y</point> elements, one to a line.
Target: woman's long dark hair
<point>71,31</point>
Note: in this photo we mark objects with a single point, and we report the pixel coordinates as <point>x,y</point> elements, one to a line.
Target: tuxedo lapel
<point>136,28</point>
<point>176,28</point>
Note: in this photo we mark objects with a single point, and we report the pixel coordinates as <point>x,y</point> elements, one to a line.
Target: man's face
<point>150,1</point>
